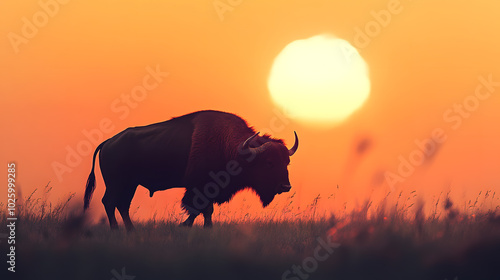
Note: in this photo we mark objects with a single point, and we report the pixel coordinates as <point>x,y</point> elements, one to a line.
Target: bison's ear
<point>295,145</point>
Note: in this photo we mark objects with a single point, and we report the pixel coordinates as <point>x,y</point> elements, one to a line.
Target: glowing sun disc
<point>322,79</point>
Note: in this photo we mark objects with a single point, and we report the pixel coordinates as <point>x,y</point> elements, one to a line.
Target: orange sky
<point>69,73</point>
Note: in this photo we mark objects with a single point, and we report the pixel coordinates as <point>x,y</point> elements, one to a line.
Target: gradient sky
<point>69,74</point>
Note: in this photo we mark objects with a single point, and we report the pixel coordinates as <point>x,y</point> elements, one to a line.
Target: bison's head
<point>267,168</point>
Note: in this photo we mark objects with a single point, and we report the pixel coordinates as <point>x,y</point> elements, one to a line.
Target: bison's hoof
<point>184,224</point>
<point>130,229</point>
<point>207,225</point>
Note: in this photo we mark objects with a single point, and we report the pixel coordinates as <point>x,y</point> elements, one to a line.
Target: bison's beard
<point>265,194</point>
<point>266,198</point>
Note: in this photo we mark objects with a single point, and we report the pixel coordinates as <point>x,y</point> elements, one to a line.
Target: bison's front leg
<point>189,204</point>
<point>189,221</point>
<point>194,205</point>
<point>207,215</point>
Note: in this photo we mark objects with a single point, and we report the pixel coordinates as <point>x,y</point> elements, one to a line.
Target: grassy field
<point>55,242</point>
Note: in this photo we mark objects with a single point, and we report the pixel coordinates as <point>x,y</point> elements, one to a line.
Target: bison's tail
<point>90,187</point>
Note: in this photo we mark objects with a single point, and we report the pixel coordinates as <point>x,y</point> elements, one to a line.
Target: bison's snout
<point>284,188</point>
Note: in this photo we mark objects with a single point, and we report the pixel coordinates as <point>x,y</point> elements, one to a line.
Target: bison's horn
<point>295,145</point>
<point>247,142</point>
<point>257,150</point>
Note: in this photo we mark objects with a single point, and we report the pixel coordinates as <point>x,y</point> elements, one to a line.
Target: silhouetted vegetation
<point>382,242</point>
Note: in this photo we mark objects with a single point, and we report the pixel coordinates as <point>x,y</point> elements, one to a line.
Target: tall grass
<point>38,207</point>
<point>379,240</point>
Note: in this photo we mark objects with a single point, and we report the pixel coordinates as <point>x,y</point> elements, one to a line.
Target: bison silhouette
<point>211,154</point>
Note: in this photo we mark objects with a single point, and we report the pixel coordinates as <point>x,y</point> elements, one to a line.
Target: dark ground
<point>368,249</point>
<point>394,244</point>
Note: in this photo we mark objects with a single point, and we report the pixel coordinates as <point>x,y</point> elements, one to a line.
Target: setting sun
<point>321,79</point>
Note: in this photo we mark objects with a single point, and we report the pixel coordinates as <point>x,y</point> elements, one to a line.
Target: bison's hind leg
<point>109,201</point>
<point>119,196</point>
<point>123,205</point>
